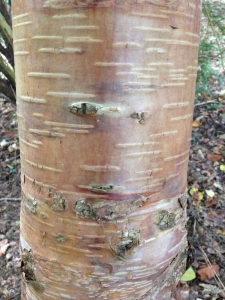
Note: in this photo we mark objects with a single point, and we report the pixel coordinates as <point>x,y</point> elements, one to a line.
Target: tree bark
<point>105,98</point>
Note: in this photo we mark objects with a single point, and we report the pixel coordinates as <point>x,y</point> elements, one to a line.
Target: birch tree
<point>105,95</point>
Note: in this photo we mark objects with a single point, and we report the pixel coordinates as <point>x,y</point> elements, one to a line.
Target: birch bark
<point>105,98</point>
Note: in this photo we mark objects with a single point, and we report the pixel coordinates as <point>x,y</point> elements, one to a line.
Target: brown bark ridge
<point>105,95</point>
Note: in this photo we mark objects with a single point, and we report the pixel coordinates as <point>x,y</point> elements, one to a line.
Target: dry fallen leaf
<point>218,185</point>
<point>208,272</point>
<point>209,203</point>
<point>222,136</point>
<point>217,150</point>
<point>206,96</point>
<point>210,290</point>
<point>210,193</point>
<point>214,157</point>
<point>182,292</point>
<point>3,246</point>
<point>196,123</point>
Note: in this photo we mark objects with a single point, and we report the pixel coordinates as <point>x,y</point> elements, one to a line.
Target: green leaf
<point>214,106</point>
<point>188,275</point>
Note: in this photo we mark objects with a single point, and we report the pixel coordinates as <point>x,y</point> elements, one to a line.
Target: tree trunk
<point>105,97</point>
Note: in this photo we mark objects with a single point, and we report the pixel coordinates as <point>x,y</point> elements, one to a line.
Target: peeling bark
<point>105,97</point>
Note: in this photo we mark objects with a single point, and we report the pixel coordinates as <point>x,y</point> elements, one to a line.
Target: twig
<point>219,282</point>
<point>10,199</point>
<point>12,158</point>
<point>212,56</point>
<point>206,102</point>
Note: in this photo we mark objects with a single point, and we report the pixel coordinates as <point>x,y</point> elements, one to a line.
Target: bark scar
<point>57,201</point>
<point>165,220</point>
<point>84,108</point>
<point>105,210</point>
<point>28,267</point>
<point>125,243</point>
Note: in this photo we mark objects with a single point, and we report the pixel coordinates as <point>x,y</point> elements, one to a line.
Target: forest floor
<point>206,202</point>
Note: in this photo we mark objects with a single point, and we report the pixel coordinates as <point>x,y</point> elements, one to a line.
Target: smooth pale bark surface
<point>105,97</point>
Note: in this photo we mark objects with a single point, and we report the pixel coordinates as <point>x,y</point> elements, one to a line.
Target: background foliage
<point>211,58</point>
<point>211,50</point>
<point>7,75</point>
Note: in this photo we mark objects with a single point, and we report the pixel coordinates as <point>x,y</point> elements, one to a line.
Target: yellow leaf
<point>192,191</point>
<point>188,275</point>
<point>199,196</point>
<point>196,123</point>
<point>222,168</point>
<point>220,232</point>
<point>210,193</point>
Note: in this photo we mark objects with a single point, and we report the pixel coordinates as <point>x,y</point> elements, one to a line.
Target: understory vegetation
<point>211,59</point>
